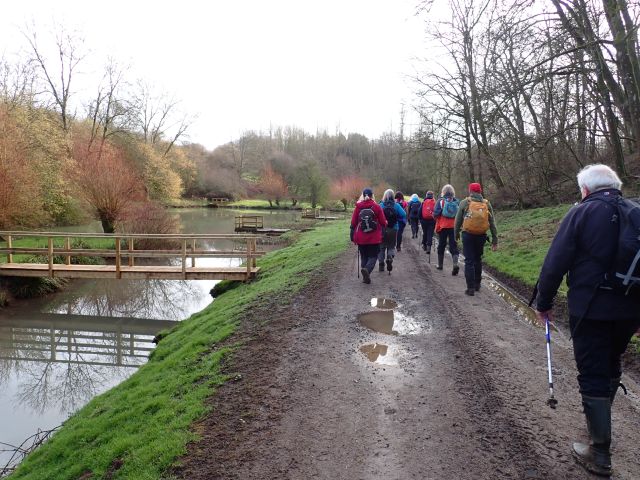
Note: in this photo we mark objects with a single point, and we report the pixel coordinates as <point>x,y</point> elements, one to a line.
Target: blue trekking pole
<point>552,402</point>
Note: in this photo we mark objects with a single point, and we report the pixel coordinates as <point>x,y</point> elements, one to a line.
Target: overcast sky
<point>246,64</point>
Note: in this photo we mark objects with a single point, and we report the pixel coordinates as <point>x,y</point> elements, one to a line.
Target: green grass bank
<point>524,239</point>
<point>137,429</point>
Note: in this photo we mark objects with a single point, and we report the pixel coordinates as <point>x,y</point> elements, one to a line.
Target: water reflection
<point>64,360</point>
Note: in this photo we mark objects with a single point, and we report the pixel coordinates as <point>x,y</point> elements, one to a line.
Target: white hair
<point>448,189</point>
<point>388,196</point>
<point>598,177</point>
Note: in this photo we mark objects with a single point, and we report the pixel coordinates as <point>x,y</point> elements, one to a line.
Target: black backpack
<point>623,276</point>
<point>414,209</point>
<point>367,220</point>
<point>390,214</point>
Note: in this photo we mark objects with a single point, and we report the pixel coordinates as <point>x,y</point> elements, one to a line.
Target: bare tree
<point>59,73</point>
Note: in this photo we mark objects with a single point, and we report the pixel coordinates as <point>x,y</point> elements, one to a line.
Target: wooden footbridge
<point>133,256</point>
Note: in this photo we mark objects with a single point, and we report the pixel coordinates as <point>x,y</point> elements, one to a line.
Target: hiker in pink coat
<point>367,223</point>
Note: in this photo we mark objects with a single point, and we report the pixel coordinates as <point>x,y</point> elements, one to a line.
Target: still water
<point>58,353</point>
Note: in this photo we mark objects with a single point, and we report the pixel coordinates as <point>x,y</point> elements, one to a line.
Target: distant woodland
<point>516,95</point>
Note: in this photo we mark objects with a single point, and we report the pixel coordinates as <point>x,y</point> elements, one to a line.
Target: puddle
<point>523,311</point>
<point>389,323</point>
<point>383,303</point>
<point>380,354</point>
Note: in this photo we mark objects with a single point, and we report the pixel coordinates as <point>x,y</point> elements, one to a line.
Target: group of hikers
<point>597,248</point>
<point>378,229</point>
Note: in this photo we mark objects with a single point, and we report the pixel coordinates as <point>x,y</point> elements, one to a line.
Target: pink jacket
<point>370,238</point>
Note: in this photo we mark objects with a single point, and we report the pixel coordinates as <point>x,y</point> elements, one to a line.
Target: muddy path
<point>458,390</point>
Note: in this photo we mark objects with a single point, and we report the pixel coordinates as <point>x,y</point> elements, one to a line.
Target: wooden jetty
<point>255,224</point>
<point>181,255</point>
<point>316,213</point>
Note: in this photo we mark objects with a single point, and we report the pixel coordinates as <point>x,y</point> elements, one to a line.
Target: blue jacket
<point>584,248</point>
<point>400,213</point>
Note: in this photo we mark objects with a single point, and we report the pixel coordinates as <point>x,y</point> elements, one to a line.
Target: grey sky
<point>244,64</point>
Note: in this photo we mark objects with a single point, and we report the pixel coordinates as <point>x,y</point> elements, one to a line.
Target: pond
<point>59,352</point>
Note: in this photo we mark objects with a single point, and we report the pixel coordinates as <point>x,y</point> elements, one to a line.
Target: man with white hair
<point>602,320</point>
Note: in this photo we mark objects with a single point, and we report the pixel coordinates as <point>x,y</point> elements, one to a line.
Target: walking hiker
<point>428,221</point>
<point>474,219</point>
<point>394,213</point>
<point>403,223</point>
<point>414,214</point>
<point>445,215</point>
<point>603,314</point>
<point>367,223</point>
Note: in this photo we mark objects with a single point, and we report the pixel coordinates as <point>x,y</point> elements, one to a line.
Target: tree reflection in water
<point>90,342</point>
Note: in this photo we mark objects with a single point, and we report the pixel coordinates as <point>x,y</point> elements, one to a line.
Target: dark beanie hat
<point>429,194</point>
<point>367,192</point>
<point>475,187</point>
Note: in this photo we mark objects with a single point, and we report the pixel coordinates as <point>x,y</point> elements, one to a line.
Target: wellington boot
<point>596,457</point>
<point>456,267</point>
<point>440,261</point>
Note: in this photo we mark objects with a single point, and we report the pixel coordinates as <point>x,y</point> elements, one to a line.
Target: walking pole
<point>357,265</point>
<point>552,402</point>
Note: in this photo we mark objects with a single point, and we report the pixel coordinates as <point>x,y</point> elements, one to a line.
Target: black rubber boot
<point>440,261</point>
<point>389,264</point>
<point>456,267</point>
<point>596,457</point>
<point>381,267</point>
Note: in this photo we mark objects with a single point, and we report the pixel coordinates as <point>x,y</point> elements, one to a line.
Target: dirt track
<point>460,393</point>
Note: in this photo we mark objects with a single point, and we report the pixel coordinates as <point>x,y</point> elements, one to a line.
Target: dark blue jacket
<point>584,248</point>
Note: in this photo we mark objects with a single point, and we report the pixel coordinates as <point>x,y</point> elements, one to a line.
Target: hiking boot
<point>470,292</point>
<point>399,248</point>
<point>381,267</point>
<point>389,264</point>
<point>596,457</point>
<point>456,267</point>
<point>424,247</point>
<point>365,275</point>
<point>477,288</point>
<point>440,261</point>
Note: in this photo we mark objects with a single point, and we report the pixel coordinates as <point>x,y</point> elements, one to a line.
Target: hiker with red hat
<point>473,220</point>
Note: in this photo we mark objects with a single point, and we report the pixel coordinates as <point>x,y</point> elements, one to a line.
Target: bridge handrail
<point>129,252</point>
<point>189,236</point>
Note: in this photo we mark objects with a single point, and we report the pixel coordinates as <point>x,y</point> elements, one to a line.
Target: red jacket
<point>370,238</point>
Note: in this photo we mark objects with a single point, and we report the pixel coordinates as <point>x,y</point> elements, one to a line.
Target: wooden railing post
<point>131,252</point>
<point>9,245</point>
<point>118,259</point>
<point>184,258</point>
<point>67,247</point>
<point>193,251</point>
<point>255,248</point>
<point>50,255</point>
<point>248,259</point>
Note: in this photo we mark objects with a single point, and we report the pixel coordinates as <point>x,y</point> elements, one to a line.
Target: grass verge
<point>137,429</point>
<point>525,236</point>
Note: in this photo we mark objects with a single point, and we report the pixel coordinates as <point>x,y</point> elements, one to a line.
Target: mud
<point>463,398</point>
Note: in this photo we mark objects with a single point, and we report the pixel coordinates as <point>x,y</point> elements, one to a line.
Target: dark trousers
<point>401,226</point>
<point>428,226</point>
<point>414,226</point>
<point>598,346</point>
<point>368,256</point>
<point>473,249</point>
<point>446,235</point>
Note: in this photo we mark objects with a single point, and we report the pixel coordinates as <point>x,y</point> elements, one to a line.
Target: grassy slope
<point>524,238</point>
<point>145,421</point>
